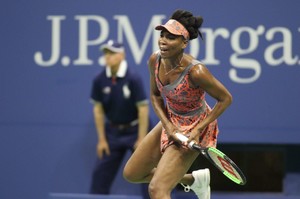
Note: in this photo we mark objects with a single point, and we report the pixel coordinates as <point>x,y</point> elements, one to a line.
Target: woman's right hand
<point>171,130</point>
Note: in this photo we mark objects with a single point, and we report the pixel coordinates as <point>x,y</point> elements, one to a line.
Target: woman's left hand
<point>194,135</point>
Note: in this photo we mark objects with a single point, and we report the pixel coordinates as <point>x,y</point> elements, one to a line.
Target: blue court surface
<point>178,196</point>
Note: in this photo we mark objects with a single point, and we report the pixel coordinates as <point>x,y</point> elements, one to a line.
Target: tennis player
<point>178,87</point>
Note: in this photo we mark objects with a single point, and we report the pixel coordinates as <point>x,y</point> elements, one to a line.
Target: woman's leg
<point>140,166</point>
<point>171,170</point>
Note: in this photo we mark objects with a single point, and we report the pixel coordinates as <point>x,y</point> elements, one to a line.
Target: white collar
<point>121,71</point>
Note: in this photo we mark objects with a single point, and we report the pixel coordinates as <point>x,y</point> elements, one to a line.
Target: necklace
<point>174,67</point>
<point>170,70</point>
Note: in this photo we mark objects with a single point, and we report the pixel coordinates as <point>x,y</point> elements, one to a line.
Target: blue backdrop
<point>50,54</point>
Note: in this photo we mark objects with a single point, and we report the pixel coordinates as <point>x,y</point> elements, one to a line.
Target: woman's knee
<point>158,190</point>
<point>129,175</point>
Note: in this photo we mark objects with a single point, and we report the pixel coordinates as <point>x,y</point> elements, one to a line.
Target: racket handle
<point>183,138</point>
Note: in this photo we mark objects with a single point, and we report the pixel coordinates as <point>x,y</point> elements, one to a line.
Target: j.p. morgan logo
<point>244,42</point>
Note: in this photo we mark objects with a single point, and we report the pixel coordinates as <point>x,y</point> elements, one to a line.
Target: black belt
<point>124,126</point>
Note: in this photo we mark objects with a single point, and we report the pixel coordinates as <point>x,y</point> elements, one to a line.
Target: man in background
<point>121,113</point>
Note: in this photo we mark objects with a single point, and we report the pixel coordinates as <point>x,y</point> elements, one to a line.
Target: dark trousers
<point>120,141</point>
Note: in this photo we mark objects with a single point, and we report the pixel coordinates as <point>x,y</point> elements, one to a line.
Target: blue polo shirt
<point>119,98</point>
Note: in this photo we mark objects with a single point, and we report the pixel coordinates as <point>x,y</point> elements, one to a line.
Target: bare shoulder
<point>152,59</point>
<point>199,74</point>
<point>198,69</point>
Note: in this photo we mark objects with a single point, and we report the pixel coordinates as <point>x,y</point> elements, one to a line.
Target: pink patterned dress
<point>186,107</point>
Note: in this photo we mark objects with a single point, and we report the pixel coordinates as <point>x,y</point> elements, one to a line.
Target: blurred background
<point>50,53</point>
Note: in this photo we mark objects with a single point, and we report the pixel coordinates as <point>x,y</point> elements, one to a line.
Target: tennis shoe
<point>200,185</point>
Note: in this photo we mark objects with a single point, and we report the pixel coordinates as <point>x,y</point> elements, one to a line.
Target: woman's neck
<point>171,65</point>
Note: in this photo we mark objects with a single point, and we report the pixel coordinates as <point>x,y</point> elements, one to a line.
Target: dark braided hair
<point>190,22</point>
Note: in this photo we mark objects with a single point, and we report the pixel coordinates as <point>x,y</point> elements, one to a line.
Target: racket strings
<point>227,166</point>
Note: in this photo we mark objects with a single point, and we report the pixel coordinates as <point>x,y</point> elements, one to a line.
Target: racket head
<point>225,165</point>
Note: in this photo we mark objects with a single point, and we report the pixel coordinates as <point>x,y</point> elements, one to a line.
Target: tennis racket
<point>219,160</point>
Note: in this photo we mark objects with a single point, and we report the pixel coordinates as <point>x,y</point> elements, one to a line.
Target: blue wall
<point>49,55</point>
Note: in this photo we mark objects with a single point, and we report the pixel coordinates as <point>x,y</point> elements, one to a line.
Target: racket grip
<point>183,138</point>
